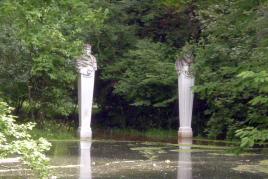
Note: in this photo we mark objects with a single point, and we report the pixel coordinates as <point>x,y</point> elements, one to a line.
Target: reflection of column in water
<point>85,160</point>
<point>185,160</point>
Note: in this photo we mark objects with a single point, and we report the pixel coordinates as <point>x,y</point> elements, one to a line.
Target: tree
<point>137,49</point>
<point>231,64</point>
<point>40,43</point>
<point>15,139</point>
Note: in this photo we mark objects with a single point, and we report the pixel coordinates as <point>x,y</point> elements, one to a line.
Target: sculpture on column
<point>86,66</point>
<point>186,96</point>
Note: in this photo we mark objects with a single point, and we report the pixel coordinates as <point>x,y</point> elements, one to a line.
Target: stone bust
<point>184,65</point>
<point>87,63</point>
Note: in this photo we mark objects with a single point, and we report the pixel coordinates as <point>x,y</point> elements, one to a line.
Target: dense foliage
<point>231,69</point>
<point>136,44</point>
<point>137,49</point>
<point>39,42</point>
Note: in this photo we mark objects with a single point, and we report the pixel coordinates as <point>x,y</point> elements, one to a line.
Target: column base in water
<point>185,132</point>
<point>85,133</point>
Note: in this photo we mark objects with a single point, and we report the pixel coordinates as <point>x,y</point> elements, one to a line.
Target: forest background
<point>136,44</point>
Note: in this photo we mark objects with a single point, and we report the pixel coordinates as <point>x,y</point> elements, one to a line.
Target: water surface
<point>119,159</point>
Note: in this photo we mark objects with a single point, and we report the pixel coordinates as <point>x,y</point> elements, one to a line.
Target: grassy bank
<point>59,131</point>
<point>54,131</point>
<point>135,135</point>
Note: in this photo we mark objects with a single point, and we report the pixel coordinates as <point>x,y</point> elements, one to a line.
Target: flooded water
<point>118,159</point>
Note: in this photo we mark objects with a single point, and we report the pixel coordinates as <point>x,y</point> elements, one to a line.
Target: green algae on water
<point>233,154</point>
<point>150,153</point>
<point>261,167</point>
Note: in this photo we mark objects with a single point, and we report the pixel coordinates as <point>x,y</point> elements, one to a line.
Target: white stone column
<point>86,66</point>
<point>186,96</point>
<point>185,159</point>
<point>85,160</point>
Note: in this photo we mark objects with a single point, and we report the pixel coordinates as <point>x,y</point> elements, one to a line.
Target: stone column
<point>86,66</point>
<point>85,160</point>
<point>185,84</point>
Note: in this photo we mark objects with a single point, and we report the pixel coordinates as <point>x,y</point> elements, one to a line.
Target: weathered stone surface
<point>186,97</point>
<point>86,67</point>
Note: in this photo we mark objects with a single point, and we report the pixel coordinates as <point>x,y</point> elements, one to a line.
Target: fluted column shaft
<point>186,97</point>
<point>185,105</point>
<point>85,99</point>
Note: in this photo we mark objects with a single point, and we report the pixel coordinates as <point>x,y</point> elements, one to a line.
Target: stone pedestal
<point>185,84</point>
<point>85,160</point>
<point>86,66</point>
<point>85,98</point>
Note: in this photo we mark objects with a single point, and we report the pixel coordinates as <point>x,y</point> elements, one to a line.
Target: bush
<point>15,139</point>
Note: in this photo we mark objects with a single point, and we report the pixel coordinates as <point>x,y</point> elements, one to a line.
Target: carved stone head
<point>88,49</point>
<point>184,65</point>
